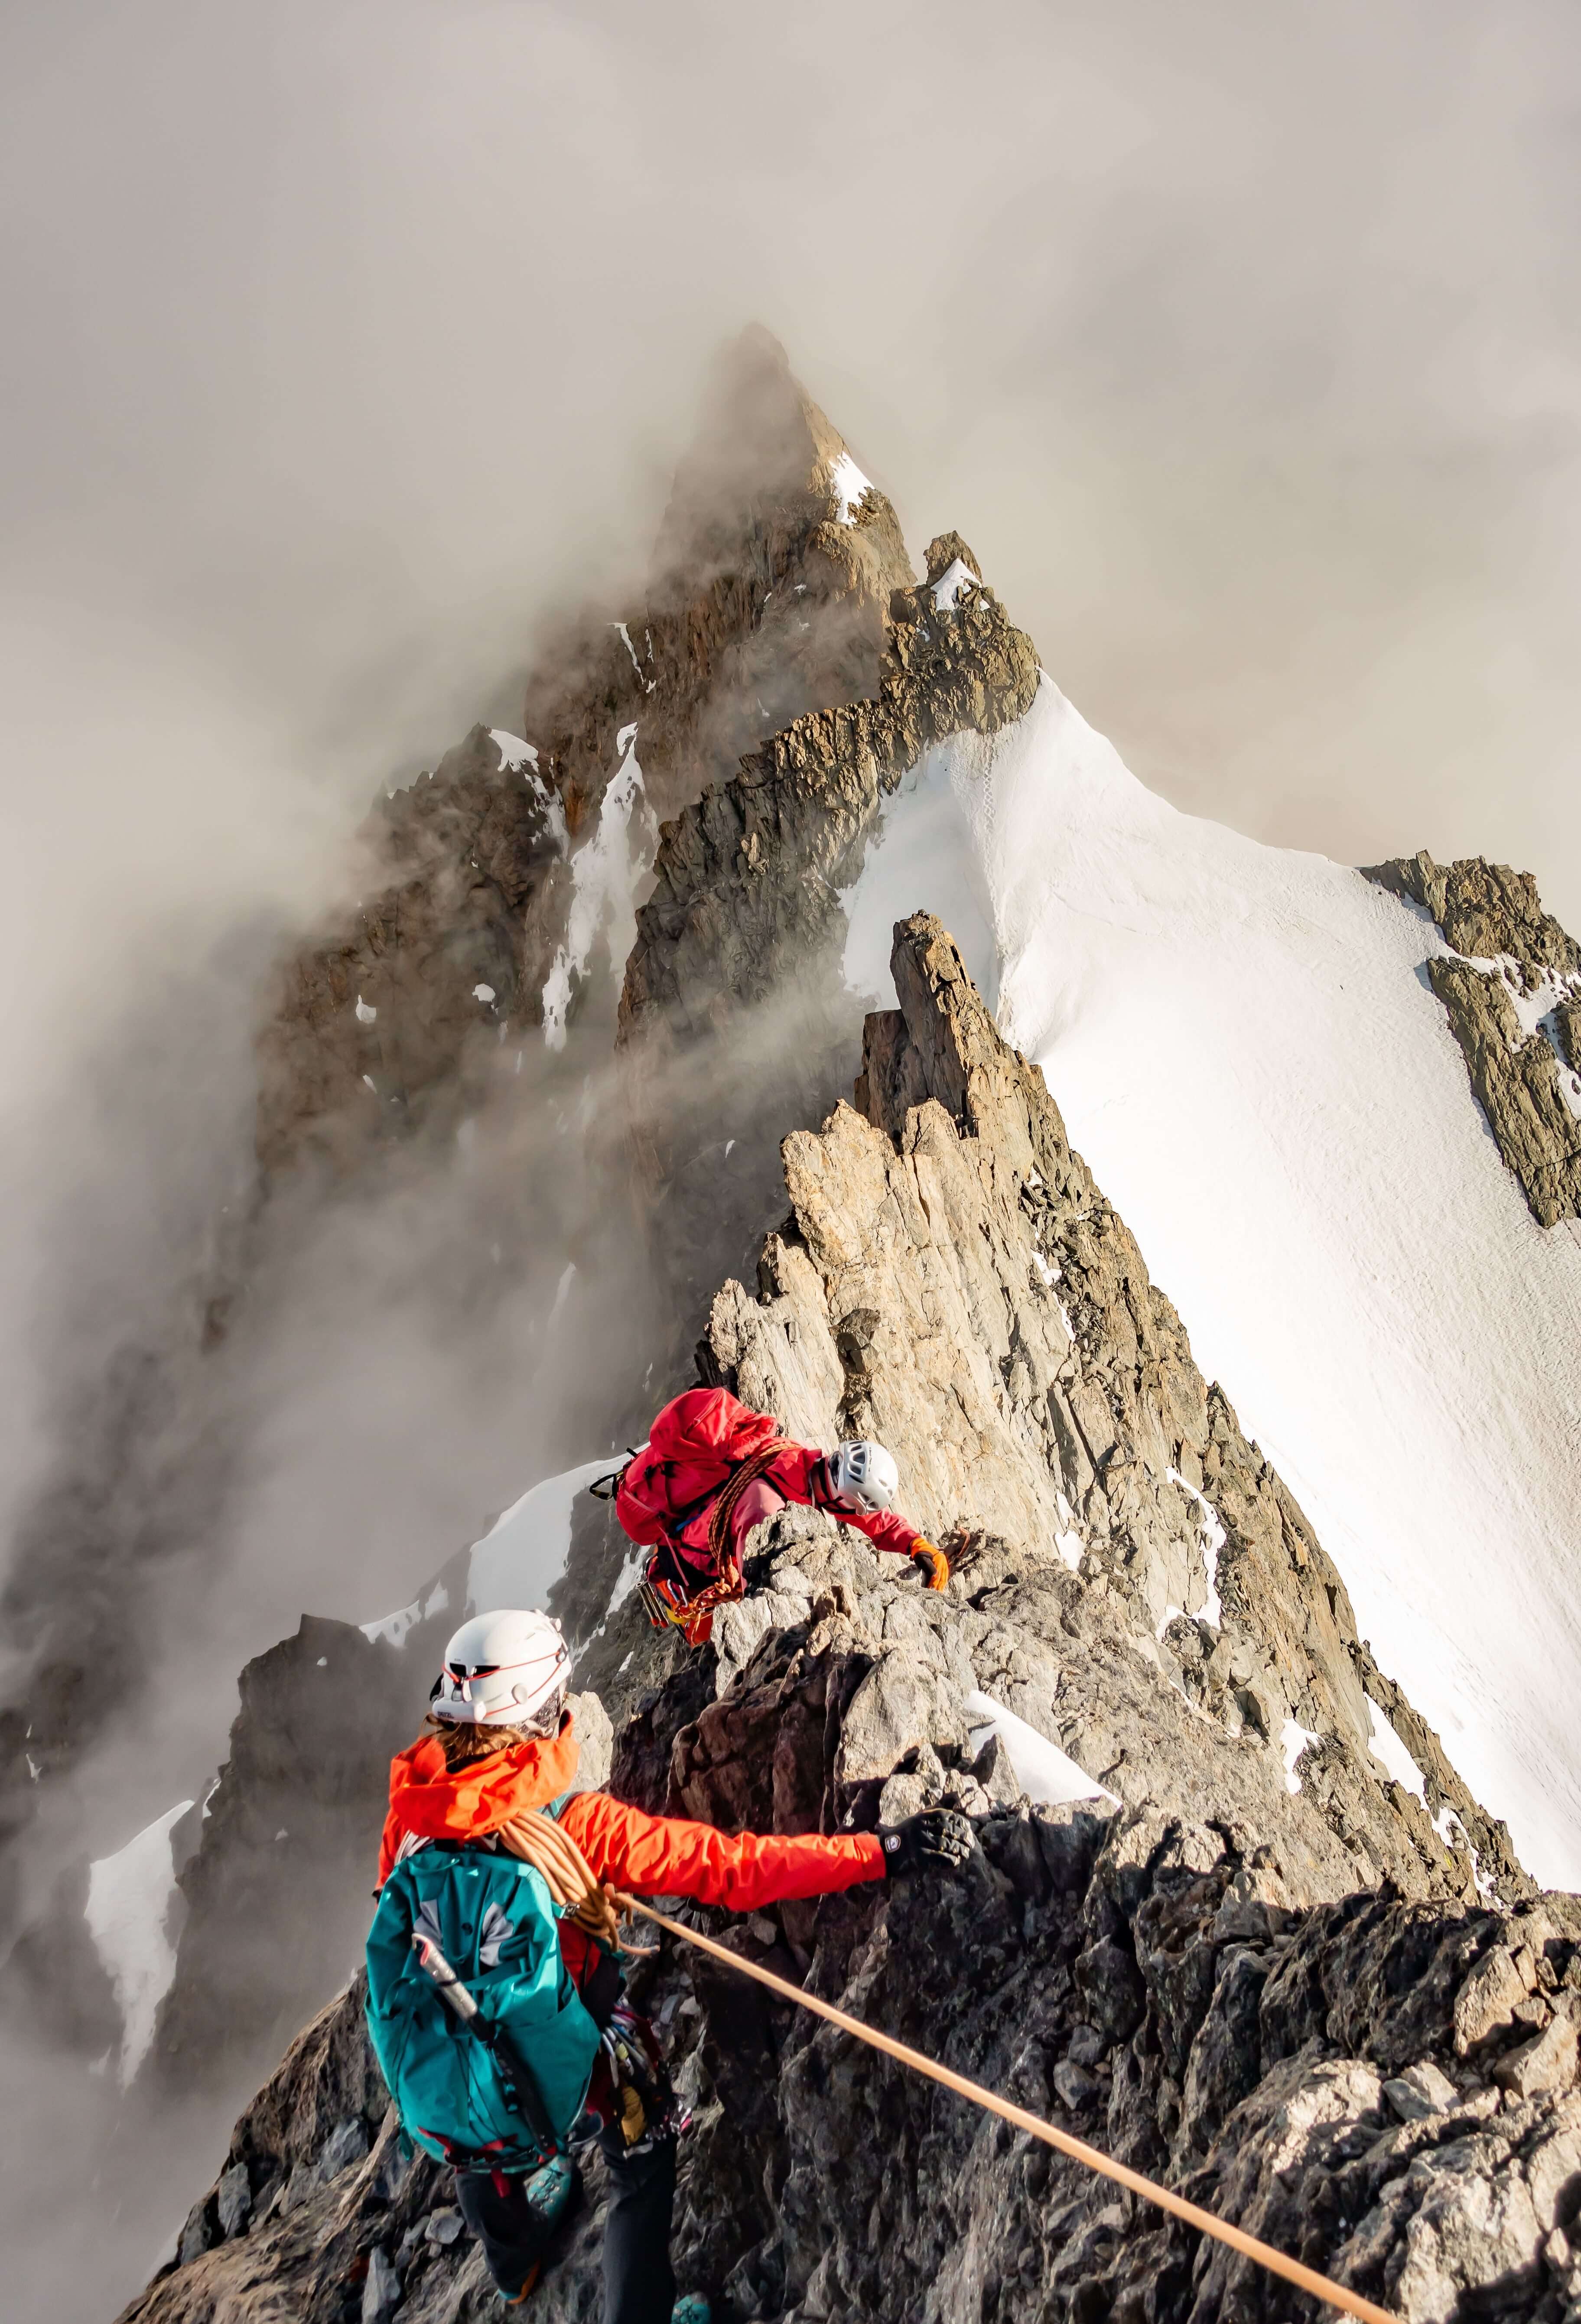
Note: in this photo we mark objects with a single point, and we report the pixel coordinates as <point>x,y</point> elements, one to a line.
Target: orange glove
<point>930,1564</point>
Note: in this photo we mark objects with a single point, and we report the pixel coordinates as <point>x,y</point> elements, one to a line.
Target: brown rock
<point>1546,2063</point>
<point>1488,1999</point>
<point>1489,913</point>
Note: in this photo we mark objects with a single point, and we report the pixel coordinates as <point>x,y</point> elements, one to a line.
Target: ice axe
<point>514,2071</point>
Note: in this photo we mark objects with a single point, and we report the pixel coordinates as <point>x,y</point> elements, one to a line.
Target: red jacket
<point>697,1442</point>
<point>652,1856</point>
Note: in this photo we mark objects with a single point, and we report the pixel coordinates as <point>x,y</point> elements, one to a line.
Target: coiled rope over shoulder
<point>745,1473</point>
<point>1321,2287</point>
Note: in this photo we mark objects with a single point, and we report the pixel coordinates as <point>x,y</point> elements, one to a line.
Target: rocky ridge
<point>951,1280</point>
<point>1296,2003</point>
<point>735,1016</point>
<point>767,598</point>
<point>1385,2087</point>
<point>1513,1000</point>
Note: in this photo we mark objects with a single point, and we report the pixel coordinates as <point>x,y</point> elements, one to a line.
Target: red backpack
<point>697,1442</point>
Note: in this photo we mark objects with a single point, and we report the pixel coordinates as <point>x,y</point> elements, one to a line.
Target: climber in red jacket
<point>499,1747</point>
<point>713,1469</point>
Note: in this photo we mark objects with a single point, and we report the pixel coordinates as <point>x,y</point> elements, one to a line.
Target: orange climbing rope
<point>1321,2287</point>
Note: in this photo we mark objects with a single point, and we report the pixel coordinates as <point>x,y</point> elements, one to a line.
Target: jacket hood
<point>439,1802</point>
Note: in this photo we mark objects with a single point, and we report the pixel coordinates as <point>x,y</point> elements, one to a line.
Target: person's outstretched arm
<point>667,1856</point>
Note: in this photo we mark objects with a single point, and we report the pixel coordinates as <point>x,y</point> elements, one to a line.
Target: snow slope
<point>1244,1048</point>
<point>128,1908</point>
<point>518,1561</point>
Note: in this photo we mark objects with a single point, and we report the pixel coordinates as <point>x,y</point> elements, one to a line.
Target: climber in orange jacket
<point>713,1469</point>
<point>498,1755</point>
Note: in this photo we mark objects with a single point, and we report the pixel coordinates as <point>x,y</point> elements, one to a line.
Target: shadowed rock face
<point>1527,1083</point>
<point>269,1913</point>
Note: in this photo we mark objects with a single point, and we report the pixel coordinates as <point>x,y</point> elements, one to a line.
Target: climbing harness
<point>1321,2287</point>
<point>667,1592</point>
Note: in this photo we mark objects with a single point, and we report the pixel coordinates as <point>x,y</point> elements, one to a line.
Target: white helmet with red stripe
<point>501,1668</point>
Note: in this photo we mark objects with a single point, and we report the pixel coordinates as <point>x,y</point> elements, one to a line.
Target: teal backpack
<point>503,2091</point>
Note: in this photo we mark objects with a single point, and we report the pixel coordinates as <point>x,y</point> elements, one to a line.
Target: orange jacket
<point>653,1856</point>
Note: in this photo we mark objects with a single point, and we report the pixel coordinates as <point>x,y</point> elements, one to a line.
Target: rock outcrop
<point>1513,1000</point>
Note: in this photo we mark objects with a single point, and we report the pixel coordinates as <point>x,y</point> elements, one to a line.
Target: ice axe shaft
<point>452,1992</point>
<point>517,2075</point>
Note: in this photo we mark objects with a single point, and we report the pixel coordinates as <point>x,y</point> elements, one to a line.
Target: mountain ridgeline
<point>1315,1991</point>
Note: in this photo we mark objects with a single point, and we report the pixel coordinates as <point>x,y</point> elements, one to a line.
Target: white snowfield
<point>1245,1050</point>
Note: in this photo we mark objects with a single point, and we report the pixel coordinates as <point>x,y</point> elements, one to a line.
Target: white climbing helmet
<point>501,1668</point>
<point>865,1472</point>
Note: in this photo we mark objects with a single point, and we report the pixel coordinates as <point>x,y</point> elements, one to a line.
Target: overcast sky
<point>1240,341</point>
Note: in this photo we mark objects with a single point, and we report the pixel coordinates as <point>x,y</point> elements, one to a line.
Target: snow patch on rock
<point>129,1898</point>
<point>956,578</point>
<point>646,684</point>
<point>1047,1775</point>
<point>1293,1740</point>
<point>1211,1535</point>
<point>1386,1746</point>
<point>604,875</point>
<point>394,1627</point>
<point>514,753</point>
<point>849,488</point>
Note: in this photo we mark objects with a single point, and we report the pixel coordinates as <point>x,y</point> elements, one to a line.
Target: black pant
<point>639,2285</point>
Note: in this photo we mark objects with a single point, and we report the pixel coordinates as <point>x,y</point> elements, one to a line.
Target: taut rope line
<point>1322,2286</point>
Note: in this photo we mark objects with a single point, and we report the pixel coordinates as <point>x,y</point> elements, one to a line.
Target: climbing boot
<point>550,2188</point>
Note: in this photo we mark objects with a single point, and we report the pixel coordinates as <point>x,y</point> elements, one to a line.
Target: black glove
<point>937,1840</point>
